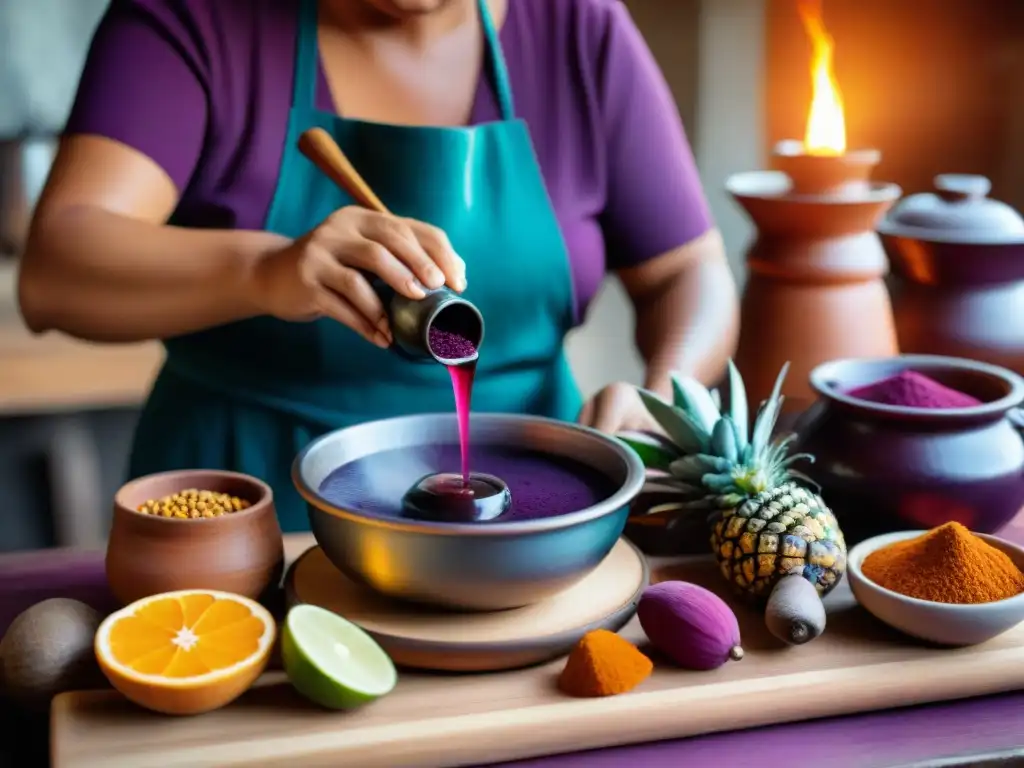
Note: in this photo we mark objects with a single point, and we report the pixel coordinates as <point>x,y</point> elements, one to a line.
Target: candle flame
<point>826,122</point>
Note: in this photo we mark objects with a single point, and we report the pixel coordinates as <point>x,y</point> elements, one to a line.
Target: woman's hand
<point>617,408</point>
<point>321,273</point>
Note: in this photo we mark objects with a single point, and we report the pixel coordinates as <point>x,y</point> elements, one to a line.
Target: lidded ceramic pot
<point>958,262</point>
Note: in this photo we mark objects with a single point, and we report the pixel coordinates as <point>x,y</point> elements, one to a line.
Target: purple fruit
<point>690,625</point>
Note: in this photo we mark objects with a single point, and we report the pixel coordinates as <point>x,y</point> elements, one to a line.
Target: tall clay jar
<point>815,289</point>
<point>240,552</point>
<point>885,468</point>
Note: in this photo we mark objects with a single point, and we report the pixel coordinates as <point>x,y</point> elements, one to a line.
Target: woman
<point>527,147</point>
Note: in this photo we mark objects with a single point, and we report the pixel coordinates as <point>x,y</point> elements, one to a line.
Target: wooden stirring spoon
<point>323,151</point>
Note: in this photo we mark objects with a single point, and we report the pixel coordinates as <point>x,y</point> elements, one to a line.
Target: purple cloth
<point>203,88</point>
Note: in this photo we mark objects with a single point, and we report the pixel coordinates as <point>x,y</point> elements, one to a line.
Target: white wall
<point>43,44</point>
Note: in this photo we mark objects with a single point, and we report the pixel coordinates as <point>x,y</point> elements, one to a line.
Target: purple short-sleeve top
<point>204,89</point>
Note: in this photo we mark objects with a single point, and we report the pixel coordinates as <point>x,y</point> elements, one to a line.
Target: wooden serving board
<point>460,720</point>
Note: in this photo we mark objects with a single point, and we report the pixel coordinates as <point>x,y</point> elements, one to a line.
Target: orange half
<point>185,652</point>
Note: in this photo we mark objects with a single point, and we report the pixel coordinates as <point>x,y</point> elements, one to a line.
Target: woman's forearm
<point>101,276</point>
<point>689,323</point>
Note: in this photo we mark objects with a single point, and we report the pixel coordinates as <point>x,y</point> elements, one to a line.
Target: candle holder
<point>815,290</point>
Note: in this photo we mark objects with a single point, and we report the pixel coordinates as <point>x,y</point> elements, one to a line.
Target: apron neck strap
<point>307,59</point>
<point>496,59</point>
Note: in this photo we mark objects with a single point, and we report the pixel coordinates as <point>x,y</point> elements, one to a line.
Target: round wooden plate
<point>436,639</point>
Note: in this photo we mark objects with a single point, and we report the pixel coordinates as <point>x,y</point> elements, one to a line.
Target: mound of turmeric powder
<point>948,564</point>
<point>603,664</point>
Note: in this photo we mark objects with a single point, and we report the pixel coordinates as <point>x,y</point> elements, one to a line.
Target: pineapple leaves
<point>687,434</point>
<point>716,398</point>
<point>719,483</point>
<point>764,425</point>
<point>695,468</point>
<point>693,398</point>
<point>805,480</point>
<point>717,458</point>
<point>654,454</point>
<point>738,409</point>
<point>724,441</point>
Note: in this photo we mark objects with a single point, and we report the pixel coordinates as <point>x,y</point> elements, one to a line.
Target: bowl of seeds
<point>193,529</point>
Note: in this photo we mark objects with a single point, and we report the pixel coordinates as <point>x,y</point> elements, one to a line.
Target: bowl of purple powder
<point>915,441</point>
<point>570,488</point>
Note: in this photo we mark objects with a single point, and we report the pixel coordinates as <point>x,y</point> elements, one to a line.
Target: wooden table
<point>54,373</point>
<point>986,731</point>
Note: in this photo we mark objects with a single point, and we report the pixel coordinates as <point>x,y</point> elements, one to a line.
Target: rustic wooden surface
<point>435,720</point>
<point>488,641</point>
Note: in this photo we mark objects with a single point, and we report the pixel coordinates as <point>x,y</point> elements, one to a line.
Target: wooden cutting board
<point>459,720</point>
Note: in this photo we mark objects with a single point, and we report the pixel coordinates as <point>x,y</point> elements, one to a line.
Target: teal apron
<point>248,396</point>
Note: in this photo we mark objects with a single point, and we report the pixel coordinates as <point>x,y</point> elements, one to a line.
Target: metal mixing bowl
<point>482,566</point>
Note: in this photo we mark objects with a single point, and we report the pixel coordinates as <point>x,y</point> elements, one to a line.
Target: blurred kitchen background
<point>937,85</point>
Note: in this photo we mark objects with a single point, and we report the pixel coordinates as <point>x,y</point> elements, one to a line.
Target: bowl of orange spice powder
<point>947,586</point>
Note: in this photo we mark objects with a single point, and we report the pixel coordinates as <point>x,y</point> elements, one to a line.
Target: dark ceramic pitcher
<point>885,468</point>
<point>958,264</point>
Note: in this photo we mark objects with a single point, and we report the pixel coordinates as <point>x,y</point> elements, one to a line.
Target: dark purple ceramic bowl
<point>885,468</point>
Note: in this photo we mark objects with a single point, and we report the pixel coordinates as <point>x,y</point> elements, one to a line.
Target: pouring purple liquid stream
<point>510,484</point>
<point>453,346</point>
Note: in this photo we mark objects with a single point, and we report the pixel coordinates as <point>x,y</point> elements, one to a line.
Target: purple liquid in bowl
<point>541,485</point>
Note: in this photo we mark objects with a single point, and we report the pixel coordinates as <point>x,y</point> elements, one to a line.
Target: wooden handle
<point>321,148</point>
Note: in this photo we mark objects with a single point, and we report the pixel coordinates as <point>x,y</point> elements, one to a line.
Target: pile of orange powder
<point>948,564</point>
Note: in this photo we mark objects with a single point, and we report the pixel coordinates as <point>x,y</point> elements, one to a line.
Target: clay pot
<point>958,263</point>
<point>888,468</point>
<point>815,290</point>
<point>241,552</point>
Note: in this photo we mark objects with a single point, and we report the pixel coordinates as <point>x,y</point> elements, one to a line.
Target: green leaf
<point>768,415</point>
<point>723,440</point>
<point>731,500</point>
<point>694,398</point>
<point>718,483</point>
<point>689,436</point>
<point>716,398</point>
<point>738,408</point>
<point>652,454</point>
<point>748,454</point>
<point>791,460</point>
<point>695,467</point>
<point>809,482</point>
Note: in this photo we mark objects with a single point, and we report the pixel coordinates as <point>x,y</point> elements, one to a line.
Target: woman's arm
<point>100,262</point>
<point>687,312</point>
<point>657,223</point>
<point>101,265</point>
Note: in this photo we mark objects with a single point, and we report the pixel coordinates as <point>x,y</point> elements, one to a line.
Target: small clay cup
<point>241,552</point>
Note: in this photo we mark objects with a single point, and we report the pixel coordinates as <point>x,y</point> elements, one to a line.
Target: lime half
<point>333,662</point>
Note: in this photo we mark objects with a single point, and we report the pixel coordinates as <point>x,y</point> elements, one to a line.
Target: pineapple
<point>766,521</point>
